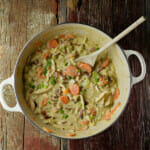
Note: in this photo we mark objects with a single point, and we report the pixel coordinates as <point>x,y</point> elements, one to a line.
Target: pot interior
<point>118,58</point>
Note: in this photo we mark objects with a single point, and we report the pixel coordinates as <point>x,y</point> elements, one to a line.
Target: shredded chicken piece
<point>102,95</point>
<point>53,69</point>
<point>82,101</point>
<point>41,91</point>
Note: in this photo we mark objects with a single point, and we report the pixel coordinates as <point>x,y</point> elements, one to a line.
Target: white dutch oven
<point>119,57</point>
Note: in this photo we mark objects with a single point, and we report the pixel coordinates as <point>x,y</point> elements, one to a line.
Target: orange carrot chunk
<point>46,55</point>
<point>71,71</point>
<point>71,56</point>
<point>45,101</point>
<point>61,36</point>
<point>103,80</point>
<point>52,43</point>
<point>66,91</point>
<point>40,71</point>
<point>107,116</point>
<point>115,108</point>
<point>71,134</point>
<point>92,111</point>
<point>75,89</point>
<point>117,93</point>
<point>37,44</point>
<point>85,67</point>
<point>64,99</point>
<point>86,122</point>
<point>82,129</point>
<point>69,36</point>
<point>47,130</point>
<point>105,63</point>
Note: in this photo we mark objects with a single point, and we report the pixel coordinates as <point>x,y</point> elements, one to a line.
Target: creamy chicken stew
<point>66,94</point>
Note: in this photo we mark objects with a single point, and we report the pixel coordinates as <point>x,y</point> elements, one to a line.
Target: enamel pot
<point>119,58</point>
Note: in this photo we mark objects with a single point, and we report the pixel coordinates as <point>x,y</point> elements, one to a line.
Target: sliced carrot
<point>37,44</point>
<point>71,56</point>
<point>69,36</point>
<point>72,134</point>
<point>82,129</point>
<point>64,99</point>
<point>103,80</point>
<point>46,55</point>
<point>117,93</point>
<point>105,63</point>
<point>45,101</point>
<point>61,36</point>
<point>71,71</point>
<point>92,111</point>
<point>40,71</point>
<point>86,122</point>
<point>107,116</point>
<point>52,43</point>
<point>75,89</point>
<point>115,108</point>
<point>47,130</point>
<point>66,91</point>
<point>85,66</point>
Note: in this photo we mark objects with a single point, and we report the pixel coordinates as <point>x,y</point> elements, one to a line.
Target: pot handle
<point>4,104</point>
<point>143,65</point>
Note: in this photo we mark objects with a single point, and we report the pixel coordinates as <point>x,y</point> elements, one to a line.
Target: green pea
<point>52,81</point>
<point>65,116</point>
<point>61,111</point>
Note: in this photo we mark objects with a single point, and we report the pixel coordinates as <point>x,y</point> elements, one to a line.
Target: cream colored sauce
<point>43,92</point>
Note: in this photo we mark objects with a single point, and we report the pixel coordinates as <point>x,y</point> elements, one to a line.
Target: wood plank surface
<point>21,19</point>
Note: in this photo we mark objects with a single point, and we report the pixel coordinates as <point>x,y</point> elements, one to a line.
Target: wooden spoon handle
<point>122,34</point>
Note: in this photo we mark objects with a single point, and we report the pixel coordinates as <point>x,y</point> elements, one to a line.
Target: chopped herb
<point>81,87</point>
<point>96,76</point>
<point>45,71</point>
<point>84,90</point>
<point>61,111</point>
<point>66,63</point>
<point>82,117</point>
<point>65,116</point>
<point>38,87</point>
<point>91,117</point>
<point>63,48</point>
<point>31,86</point>
<point>80,104</point>
<point>48,64</point>
<point>56,101</point>
<point>52,81</point>
<point>49,102</point>
<point>97,48</point>
<point>44,86</point>
<point>68,77</point>
<point>78,70</point>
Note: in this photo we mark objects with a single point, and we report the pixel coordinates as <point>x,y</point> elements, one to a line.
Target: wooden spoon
<point>91,58</point>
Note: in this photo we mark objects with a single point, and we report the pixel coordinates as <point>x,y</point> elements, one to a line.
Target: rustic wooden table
<point>21,19</point>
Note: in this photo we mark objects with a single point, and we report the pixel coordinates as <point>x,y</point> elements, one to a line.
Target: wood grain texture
<point>21,19</point>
